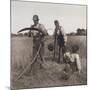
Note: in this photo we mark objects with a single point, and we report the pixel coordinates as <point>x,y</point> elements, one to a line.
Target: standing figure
<point>38,38</point>
<point>60,39</point>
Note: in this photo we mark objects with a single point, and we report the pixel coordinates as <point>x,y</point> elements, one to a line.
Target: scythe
<point>34,59</point>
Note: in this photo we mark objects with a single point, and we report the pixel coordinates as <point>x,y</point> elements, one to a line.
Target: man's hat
<point>35,17</point>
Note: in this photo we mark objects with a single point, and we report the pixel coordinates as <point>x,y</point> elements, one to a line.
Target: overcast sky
<point>70,17</point>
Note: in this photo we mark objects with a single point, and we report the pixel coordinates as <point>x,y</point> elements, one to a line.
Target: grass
<point>50,74</point>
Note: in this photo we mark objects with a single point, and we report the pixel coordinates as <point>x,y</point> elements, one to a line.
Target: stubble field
<point>21,56</point>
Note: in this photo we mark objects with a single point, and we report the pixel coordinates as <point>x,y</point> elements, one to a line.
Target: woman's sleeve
<point>64,34</point>
<point>78,62</point>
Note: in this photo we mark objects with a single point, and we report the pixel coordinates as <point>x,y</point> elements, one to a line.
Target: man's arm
<point>30,33</point>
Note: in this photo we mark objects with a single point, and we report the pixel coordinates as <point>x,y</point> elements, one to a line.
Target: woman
<point>60,39</point>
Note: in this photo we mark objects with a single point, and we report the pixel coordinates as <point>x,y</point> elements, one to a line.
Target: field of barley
<point>49,75</point>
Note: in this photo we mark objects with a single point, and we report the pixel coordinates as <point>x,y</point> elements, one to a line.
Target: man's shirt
<point>40,27</point>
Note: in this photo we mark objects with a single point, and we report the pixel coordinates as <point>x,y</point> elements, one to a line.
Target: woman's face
<point>56,24</point>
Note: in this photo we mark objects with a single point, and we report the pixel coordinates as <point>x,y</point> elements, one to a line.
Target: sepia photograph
<point>48,44</point>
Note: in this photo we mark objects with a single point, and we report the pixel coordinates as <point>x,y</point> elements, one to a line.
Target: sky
<point>70,17</point>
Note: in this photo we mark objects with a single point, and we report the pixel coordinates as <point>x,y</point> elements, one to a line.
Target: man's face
<point>35,22</point>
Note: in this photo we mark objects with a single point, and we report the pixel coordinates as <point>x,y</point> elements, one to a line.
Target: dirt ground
<point>51,74</point>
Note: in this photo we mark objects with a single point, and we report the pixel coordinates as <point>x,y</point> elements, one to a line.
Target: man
<point>38,38</point>
<point>60,40</point>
